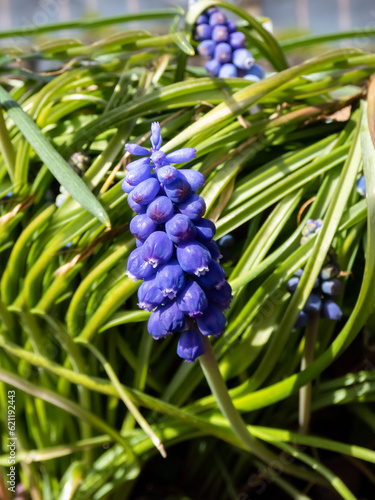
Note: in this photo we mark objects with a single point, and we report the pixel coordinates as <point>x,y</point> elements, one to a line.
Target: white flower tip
<point>201,271</point>
<point>145,306</point>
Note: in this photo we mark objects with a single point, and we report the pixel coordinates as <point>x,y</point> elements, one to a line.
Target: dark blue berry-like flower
<point>326,287</point>
<point>184,287</point>
<point>225,47</point>
<point>190,346</point>
<point>170,278</point>
<point>180,229</point>
<point>192,300</point>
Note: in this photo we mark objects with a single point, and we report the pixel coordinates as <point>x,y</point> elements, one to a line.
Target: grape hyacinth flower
<point>225,47</point>
<point>326,288</point>
<point>312,227</point>
<point>184,286</point>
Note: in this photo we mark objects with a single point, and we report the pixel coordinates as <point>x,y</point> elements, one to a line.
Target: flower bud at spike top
<point>141,226</point>
<point>158,158</point>
<point>138,163</point>
<point>156,139</point>
<point>193,177</point>
<point>228,71</point>
<point>181,155</point>
<point>135,149</point>
<point>160,210</point>
<point>217,18</point>
<point>211,10</point>
<point>207,48</point>
<point>190,346</point>
<point>175,255</point>
<point>223,52</point>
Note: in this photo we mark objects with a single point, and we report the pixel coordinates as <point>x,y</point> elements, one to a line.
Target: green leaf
<point>55,163</point>
<point>92,23</point>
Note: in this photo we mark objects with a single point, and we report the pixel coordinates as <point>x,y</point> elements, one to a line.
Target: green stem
<point>218,388</point>
<point>312,329</point>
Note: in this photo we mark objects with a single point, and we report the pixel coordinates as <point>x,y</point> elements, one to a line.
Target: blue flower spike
<point>326,288</point>
<point>225,48</point>
<point>184,286</point>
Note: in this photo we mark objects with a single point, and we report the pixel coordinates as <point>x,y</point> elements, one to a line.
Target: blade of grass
<point>36,29</point>
<point>55,163</point>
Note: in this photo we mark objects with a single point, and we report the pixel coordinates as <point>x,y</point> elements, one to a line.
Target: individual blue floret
<point>190,346</point>
<point>361,186</point>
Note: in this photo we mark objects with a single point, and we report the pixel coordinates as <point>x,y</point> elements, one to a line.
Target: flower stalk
<point>219,390</point>
<point>304,416</point>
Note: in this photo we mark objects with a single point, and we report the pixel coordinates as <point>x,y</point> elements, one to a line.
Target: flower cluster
<point>225,47</point>
<point>312,227</point>
<point>327,286</point>
<point>183,284</point>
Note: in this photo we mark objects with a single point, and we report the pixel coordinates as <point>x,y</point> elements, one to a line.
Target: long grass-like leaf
<point>55,163</point>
